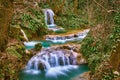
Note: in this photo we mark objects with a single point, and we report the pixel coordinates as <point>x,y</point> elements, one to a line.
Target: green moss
<point>97,48</point>
<point>17,50</point>
<point>71,22</point>
<point>12,51</point>
<point>115,41</point>
<point>20,49</point>
<point>60,31</point>
<point>14,31</point>
<point>38,47</point>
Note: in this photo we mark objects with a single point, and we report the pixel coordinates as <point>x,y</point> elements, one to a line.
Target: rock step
<point>81,34</point>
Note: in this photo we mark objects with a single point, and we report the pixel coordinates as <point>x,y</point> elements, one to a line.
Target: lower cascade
<point>55,63</point>
<point>48,58</point>
<point>58,62</point>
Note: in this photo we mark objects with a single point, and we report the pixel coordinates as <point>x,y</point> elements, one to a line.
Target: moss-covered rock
<point>38,47</point>
<point>13,60</point>
<point>14,31</point>
<point>12,51</point>
<point>16,50</point>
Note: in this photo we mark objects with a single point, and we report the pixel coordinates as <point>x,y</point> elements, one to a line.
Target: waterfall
<point>72,37</point>
<point>24,35</point>
<point>47,59</point>
<point>49,14</point>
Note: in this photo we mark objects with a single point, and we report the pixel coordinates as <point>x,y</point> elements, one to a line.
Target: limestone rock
<point>84,76</point>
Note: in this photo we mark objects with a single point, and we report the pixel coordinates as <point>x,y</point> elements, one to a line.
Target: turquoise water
<point>56,73</point>
<point>45,44</point>
<point>53,74</point>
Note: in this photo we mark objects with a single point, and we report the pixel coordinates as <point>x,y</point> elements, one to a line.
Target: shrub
<point>38,47</point>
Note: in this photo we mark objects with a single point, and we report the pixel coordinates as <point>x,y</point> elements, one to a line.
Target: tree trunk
<point>75,6</point>
<point>6,11</point>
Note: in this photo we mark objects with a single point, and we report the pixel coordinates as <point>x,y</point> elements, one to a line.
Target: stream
<point>54,63</point>
<point>56,73</point>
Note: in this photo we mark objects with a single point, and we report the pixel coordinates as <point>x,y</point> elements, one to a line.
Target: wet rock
<point>75,35</point>
<point>58,38</point>
<point>58,55</point>
<point>51,60</point>
<point>66,47</point>
<point>84,76</point>
<point>79,57</point>
<point>14,31</point>
<point>27,51</point>
<point>41,66</point>
<point>67,37</point>
<point>61,62</point>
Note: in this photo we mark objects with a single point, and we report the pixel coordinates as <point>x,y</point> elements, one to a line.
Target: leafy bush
<point>12,51</point>
<point>31,22</point>
<point>97,49</point>
<point>72,22</point>
<point>87,48</point>
<point>38,47</point>
<point>34,20</point>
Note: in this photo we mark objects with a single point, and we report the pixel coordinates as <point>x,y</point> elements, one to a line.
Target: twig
<point>100,5</point>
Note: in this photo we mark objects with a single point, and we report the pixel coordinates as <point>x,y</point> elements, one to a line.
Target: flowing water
<point>49,20</point>
<point>49,14</point>
<point>53,63</point>
<point>57,40</point>
<point>56,73</point>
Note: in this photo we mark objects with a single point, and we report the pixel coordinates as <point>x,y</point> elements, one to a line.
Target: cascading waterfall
<point>49,14</point>
<point>51,40</point>
<point>24,35</point>
<point>54,63</point>
<point>46,60</point>
<point>49,20</point>
<point>72,37</point>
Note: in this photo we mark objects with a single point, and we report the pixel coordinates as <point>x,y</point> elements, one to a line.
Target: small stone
<point>75,35</point>
<point>116,72</point>
<point>27,52</point>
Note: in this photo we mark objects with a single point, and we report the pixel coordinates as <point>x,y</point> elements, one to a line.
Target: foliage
<point>97,48</point>
<point>72,22</point>
<point>69,14</point>
<point>94,62</point>
<point>60,31</point>
<point>11,50</point>
<point>38,47</point>
<point>13,61</point>
<point>108,75</point>
<point>34,21</point>
<point>17,51</point>
<point>115,35</point>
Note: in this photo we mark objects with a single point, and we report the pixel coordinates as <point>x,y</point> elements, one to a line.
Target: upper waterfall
<point>49,14</point>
